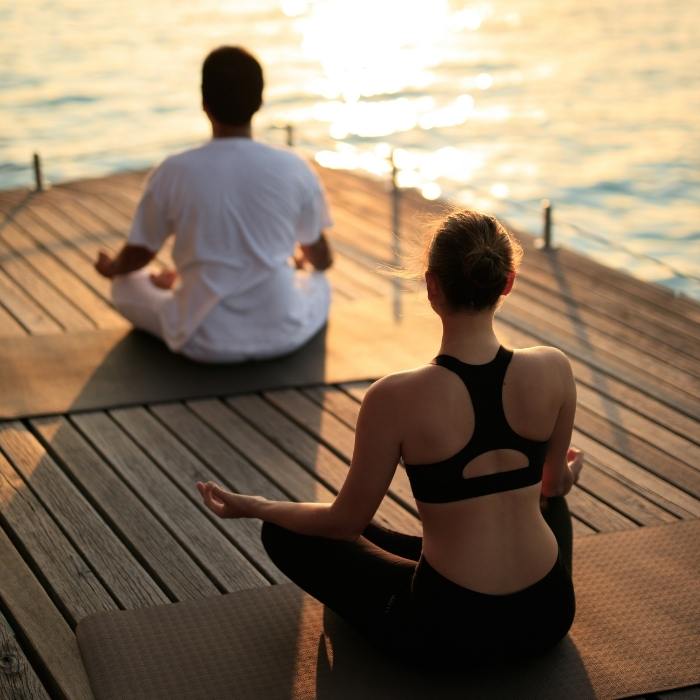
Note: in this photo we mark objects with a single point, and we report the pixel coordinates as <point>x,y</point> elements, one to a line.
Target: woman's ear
<point>432,286</point>
<point>509,283</point>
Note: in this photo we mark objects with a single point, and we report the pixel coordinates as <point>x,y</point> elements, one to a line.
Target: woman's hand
<point>574,458</point>
<point>227,504</point>
<point>569,476</point>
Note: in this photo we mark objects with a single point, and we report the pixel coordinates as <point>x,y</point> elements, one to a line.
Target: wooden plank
<point>17,677</point>
<point>315,457</point>
<point>638,425</point>
<point>639,451</point>
<point>653,301</point>
<point>30,279</point>
<point>335,435</point>
<point>225,466</point>
<point>647,484</point>
<point>364,208</point>
<point>92,225</point>
<point>228,466</point>
<point>580,529</point>
<point>63,572</point>
<point>176,504</point>
<point>636,332</point>
<point>622,498</point>
<point>31,318</point>
<point>9,326</point>
<point>370,279</point>
<point>635,367</point>
<point>518,317</point>
<point>335,401</point>
<point>596,513</point>
<point>613,388</point>
<point>114,564</point>
<point>68,263</point>
<point>289,476</point>
<point>181,463</point>
<point>368,197</point>
<point>114,218</point>
<point>84,217</point>
<point>48,637</point>
<point>157,549</point>
<point>340,289</point>
<point>356,389</point>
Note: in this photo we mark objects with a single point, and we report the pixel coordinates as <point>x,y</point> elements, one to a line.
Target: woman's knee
<point>276,539</point>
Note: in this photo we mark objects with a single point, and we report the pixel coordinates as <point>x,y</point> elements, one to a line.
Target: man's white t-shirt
<point>237,208</point>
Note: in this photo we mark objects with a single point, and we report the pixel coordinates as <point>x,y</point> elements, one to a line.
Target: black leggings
<point>381,585</point>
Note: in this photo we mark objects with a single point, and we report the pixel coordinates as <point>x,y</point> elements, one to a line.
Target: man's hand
<point>105,264</point>
<point>298,259</point>
<point>164,279</point>
<point>318,254</point>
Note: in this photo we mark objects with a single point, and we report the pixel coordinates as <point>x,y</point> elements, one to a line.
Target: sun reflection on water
<point>483,94</point>
<point>375,47</point>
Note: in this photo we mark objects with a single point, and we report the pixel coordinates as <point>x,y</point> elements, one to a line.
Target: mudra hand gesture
<point>227,504</point>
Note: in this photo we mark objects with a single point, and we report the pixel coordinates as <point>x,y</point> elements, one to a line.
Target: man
<point>239,211</point>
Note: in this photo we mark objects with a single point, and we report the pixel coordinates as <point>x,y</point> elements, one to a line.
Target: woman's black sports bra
<point>443,482</point>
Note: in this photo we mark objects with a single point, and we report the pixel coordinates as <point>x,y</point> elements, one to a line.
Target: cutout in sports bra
<point>444,482</point>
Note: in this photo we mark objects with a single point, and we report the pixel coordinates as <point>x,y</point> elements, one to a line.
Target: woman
<point>483,433</point>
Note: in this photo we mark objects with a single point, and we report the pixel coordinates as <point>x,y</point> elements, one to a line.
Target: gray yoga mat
<point>637,630</point>
<point>41,375</point>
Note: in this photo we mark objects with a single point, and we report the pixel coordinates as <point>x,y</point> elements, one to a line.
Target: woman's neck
<point>469,336</point>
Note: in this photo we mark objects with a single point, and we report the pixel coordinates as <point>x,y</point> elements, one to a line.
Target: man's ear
<point>509,283</point>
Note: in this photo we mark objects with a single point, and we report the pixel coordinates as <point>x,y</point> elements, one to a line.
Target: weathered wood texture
<point>99,511</point>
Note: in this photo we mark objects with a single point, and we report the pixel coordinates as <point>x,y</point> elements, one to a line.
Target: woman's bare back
<point>497,543</point>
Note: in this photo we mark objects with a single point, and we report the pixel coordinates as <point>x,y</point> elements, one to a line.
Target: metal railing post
<point>396,232</point>
<point>546,224</point>
<point>38,176</point>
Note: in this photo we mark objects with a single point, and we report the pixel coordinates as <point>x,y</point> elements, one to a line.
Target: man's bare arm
<point>318,254</point>
<point>129,259</point>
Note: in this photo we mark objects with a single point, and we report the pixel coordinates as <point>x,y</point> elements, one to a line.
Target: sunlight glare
<point>294,8</point>
<point>371,47</point>
<point>431,190</point>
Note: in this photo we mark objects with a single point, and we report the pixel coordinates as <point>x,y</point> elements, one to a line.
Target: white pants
<point>140,302</point>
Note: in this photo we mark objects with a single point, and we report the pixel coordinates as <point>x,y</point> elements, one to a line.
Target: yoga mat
<point>637,630</point>
<point>41,375</point>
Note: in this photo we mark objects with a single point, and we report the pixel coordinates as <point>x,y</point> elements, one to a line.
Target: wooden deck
<point>98,510</point>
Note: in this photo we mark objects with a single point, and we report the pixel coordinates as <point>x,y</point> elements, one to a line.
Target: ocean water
<point>498,104</point>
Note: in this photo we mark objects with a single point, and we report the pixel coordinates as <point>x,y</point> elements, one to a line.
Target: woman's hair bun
<point>472,255</point>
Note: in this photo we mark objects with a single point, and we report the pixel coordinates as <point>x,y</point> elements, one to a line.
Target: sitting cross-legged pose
<point>484,435</point>
<point>239,211</point>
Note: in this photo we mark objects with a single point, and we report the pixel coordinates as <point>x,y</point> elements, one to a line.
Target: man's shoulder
<point>183,158</point>
<point>279,154</point>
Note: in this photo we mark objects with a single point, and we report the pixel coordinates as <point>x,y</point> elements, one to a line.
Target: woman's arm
<point>375,456</point>
<point>563,462</point>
